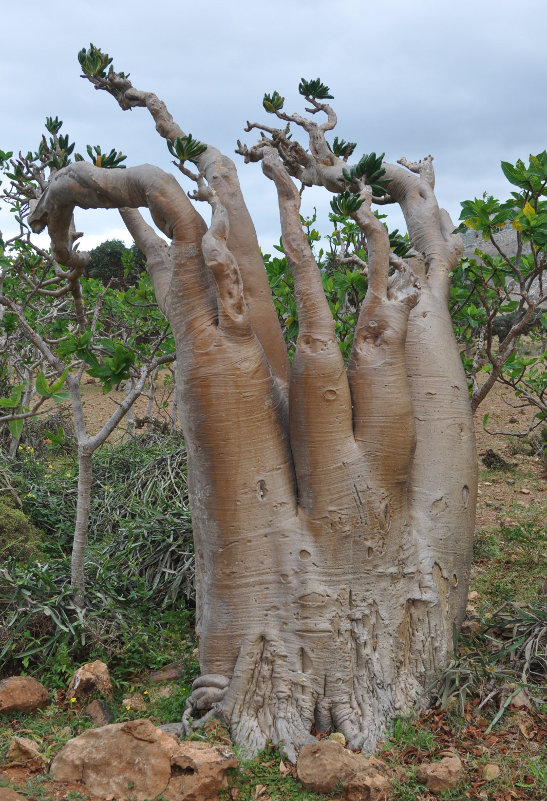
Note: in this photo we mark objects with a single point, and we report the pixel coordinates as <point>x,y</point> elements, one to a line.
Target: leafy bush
<point>515,656</point>
<point>139,561</point>
<point>41,628</point>
<point>18,536</point>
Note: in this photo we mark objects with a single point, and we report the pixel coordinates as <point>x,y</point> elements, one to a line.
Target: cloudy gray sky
<point>465,81</point>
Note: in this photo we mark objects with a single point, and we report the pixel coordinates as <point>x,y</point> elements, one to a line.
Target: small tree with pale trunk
<point>332,504</point>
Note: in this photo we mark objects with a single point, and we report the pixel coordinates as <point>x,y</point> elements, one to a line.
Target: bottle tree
<point>333,504</point>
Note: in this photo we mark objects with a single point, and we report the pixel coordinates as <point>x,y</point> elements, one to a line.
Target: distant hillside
<point>506,239</point>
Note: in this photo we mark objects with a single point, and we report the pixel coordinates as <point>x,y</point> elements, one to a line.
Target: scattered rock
<point>137,760</point>
<point>199,771</point>
<point>322,765</point>
<point>367,786</point>
<point>493,461</point>
<point>473,596</point>
<point>471,627</point>
<point>168,673</point>
<point>338,737</point>
<point>441,775</point>
<point>525,491</point>
<point>90,679</point>
<point>22,749</point>
<point>521,699</point>
<point>22,694</point>
<point>165,691</point>
<point>135,702</point>
<point>99,712</point>
<point>491,771</point>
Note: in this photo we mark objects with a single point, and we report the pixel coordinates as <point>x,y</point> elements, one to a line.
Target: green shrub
<point>18,536</point>
<point>139,562</point>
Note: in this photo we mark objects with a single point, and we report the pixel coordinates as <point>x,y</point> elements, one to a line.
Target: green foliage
<point>341,148</point>
<point>515,655</point>
<point>273,102</point>
<point>370,168</point>
<point>14,399</point>
<point>106,160</point>
<point>52,391</point>
<point>497,295</point>
<point>185,148</point>
<point>113,369</point>
<point>405,733</point>
<point>139,563</point>
<point>93,61</point>
<point>113,261</point>
<point>264,771</point>
<point>532,178</point>
<point>18,536</point>
<point>346,203</point>
<point>400,244</point>
<point>314,89</point>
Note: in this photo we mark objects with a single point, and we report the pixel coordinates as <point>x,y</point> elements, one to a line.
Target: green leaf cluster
<point>525,211</point>
<point>13,402</point>
<point>532,178</point>
<point>346,203</point>
<point>341,148</point>
<point>273,102</point>
<point>485,291</point>
<point>185,148</point>
<point>52,391</point>
<point>400,244</point>
<point>314,89</point>
<point>114,368</point>
<point>53,125</point>
<point>94,62</point>
<point>106,160</point>
<point>370,168</point>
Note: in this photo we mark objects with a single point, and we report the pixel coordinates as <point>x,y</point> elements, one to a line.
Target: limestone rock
<point>322,765</point>
<point>491,771</point>
<point>367,786</point>
<point>22,749</point>
<point>89,680</point>
<point>521,699</point>
<point>135,701</point>
<point>168,673</point>
<point>163,691</point>
<point>99,712</point>
<point>199,771</point>
<point>22,694</point>
<point>137,760</point>
<point>441,775</point>
<point>471,627</point>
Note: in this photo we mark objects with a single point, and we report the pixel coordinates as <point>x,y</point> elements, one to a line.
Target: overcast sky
<point>464,81</point>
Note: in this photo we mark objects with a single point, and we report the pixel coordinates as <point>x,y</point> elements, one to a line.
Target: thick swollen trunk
<point>333,542</point>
